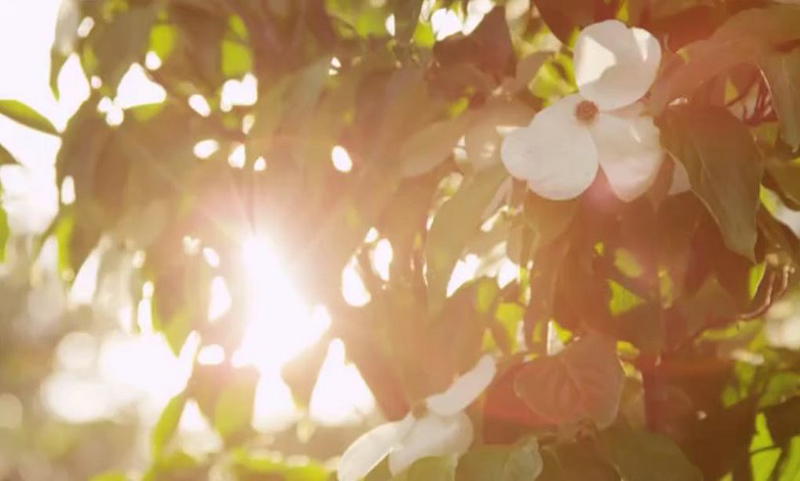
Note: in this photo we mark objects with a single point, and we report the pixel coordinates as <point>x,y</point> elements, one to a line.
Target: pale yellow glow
<point>279,325</point>
<point>136,88</point>
<point>260,164</point>
<point>205,148</point>
<point>199,104</point>
<point>220,302</point>
<point>96,380</point>
<point>152,61</point>
<point>354,291</point>
<point>340,396</point>
<point>382,258</point>
<point>237,157</point>
<point>446,22</point>
<point>341,159</point>
<point>211,355</point>
<point>239,92</point>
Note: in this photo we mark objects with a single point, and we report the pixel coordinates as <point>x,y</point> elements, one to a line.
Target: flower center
<point>586,111</point>
<point>419,410</point>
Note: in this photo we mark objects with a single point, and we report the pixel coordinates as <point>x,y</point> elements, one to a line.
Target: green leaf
<point>575,462</point>
<point>16,110</point>
<point>783,420</point>
<point>432,145</point>
<point>582,382</point>
<point>6,158</point>
<point>166,425</point>
<point>786,176</point>
<point>111,477</point>
<point>234,408</point>
<point>237,59</point>
<point>548,219</point>
<point>788,467</point>
<point>702,61</point>
<point>644,456</point>
<point>724,169</point>
<point>258,466</point>
<point>501,463</point>
<point>745,37</point>
<point>564,17</point>
<point>120,42</point>
<point>453,226</point>
<point>406,17</point>
<point>429,469</point>
<point>775,25</point>
<point>782,71</point>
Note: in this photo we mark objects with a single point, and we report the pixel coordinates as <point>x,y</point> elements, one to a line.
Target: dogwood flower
<point>602,126</point>
<point>443,430</point>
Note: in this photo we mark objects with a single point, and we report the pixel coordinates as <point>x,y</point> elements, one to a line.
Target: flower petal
<point>615,65</point>
<point>464,390</point>
<point>630,153</point>
<point>680,180</point>
<point>368,451</point>
<point>555,154</point>
<point>432,436</point>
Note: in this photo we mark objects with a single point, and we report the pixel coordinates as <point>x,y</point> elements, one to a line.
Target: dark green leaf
<point>120,42</point>
<point>582,382</point>
<point>432,145</point>
<point>775,24</point>
<point>786,176</point>
<point>782,71</point>
<point>488,47</point>
<point>644,456</point>
<point>784,420</point>
<point>704,60</point>
<point>406,17</point>
<point>16,110</point>
<point>564,17</point>
<point>501,463</point>
<point>453,226</point>
<point>576,462</point>
<point>724,169</point>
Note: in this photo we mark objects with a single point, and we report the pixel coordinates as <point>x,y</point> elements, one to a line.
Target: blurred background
<point>84,374</point>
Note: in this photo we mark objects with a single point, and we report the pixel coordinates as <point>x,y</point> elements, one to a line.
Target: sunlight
<point>279,324</point>
<point>239,92</point>
<point>341,396</point>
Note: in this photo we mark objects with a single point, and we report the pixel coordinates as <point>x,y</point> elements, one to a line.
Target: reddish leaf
<point>583,382</point>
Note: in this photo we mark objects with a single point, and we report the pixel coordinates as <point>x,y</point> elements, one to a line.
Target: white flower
<point>443,430</point>
<point>564,146</point>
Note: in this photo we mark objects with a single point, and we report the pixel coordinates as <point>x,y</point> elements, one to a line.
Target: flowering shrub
<point>614,177</point>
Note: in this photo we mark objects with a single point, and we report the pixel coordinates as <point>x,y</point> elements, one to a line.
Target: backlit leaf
<point>582,382</point>
<point>724,169</point>
<point>501,463</point>
<point>17,111</point>
<point>453,226</point>
<point>782,71</point>
<point>644,456</point>
<point>167,423</point>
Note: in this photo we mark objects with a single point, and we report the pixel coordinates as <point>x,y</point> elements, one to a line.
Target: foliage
<point>661,301</point>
